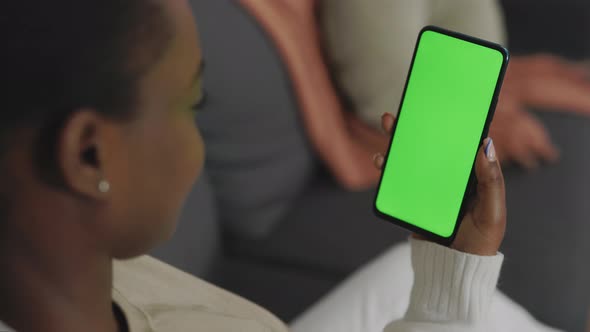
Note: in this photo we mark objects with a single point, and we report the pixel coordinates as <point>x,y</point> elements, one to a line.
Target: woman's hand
<point>482,229</point>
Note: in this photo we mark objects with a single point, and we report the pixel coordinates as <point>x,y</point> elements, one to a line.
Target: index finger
<point>387,122</point>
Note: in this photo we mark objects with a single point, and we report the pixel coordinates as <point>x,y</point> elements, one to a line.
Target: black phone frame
<point>472,183</point>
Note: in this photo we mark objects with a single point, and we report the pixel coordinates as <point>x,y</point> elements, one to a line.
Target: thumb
<point>489,213</point>
<point>491,202</point>
<point>482,229</point>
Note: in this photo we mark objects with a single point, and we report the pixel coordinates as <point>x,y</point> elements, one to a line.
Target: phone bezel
<point>469,190</point>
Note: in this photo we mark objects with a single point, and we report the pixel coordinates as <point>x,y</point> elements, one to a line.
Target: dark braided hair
<point>62,55</point>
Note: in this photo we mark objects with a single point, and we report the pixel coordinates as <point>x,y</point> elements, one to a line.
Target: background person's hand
<point>293,27</point>
<point>542,82</point>
<point>547,82</point>
<point>482,229</point>
<point>522,139</point>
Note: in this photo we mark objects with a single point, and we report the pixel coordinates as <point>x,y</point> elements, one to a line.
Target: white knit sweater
<point>452,290</point>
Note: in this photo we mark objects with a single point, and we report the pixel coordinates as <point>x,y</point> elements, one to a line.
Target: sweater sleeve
<point>452,290</point>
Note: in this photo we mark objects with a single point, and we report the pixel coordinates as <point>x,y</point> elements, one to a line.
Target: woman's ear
<point>80,156</point>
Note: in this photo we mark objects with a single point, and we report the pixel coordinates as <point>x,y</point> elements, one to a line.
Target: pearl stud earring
<point>104,186</point>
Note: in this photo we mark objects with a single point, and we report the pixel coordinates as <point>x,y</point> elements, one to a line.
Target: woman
<point>98,151</point>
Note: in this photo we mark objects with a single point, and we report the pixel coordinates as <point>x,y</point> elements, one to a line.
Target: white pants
<point>379,293</point>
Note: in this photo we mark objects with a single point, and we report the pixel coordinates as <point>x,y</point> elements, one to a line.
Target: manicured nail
<point>490,150</point>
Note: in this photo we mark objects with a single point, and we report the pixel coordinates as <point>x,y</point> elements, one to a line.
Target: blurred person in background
<point>99,149</point>
<point>345,141</point>
<point>369,63</point>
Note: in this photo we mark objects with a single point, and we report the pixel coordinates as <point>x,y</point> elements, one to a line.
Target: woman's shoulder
<point>163,293</point>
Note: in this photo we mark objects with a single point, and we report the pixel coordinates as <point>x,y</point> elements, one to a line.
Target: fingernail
<point>375,156</point>
<point>382,127</point>
<point>490,150</point>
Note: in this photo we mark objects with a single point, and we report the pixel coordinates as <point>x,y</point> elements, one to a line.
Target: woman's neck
<point>54,282</point>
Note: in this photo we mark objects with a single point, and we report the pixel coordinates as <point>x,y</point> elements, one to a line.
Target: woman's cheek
<point>191,151</point>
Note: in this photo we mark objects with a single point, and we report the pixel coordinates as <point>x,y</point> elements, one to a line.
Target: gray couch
<point>267,222</point>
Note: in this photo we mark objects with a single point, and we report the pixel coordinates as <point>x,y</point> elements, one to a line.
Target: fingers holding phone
<point>482,229</point>
<point>387,123</point>
<point>448,103</point>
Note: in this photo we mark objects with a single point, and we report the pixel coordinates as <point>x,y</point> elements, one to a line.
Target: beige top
<point>156,297</point>
<point>370,44</point>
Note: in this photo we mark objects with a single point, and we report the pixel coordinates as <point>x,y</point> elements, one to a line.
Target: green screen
<point>443,114</point>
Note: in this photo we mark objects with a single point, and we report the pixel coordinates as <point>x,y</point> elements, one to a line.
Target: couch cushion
<point>546,243</point>
<point>258,157</point>
<point>328,230</point>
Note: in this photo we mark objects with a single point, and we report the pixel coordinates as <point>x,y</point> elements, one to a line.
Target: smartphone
<point>444,115</point>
